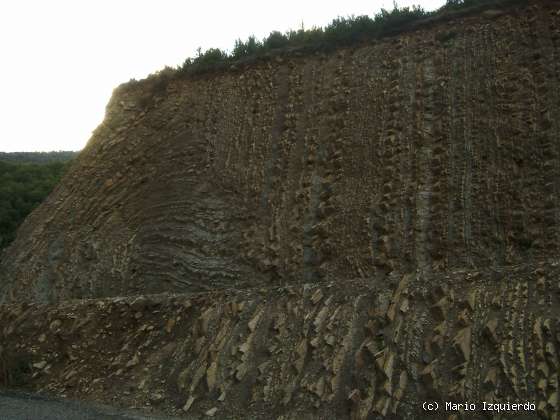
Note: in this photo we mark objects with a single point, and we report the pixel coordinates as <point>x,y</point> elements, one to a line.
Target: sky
<point>60,60</point>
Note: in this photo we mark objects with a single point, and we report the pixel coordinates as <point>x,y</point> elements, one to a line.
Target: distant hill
<point>26,178</point>
<point>37,157</point>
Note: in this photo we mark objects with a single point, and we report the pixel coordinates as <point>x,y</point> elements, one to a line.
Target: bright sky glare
<point>61,59</point>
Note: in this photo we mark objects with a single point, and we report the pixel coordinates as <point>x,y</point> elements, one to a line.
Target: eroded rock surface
<point>434,149</point>
<point>350,233</point>
<point>310,351</point>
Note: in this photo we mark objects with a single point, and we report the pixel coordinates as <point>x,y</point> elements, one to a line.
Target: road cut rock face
<point>302,352</point>
<point>353,232</point>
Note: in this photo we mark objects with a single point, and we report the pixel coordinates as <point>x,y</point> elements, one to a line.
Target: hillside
<point>37,157</point>
<point>25,181</point>
<point>353,232</point>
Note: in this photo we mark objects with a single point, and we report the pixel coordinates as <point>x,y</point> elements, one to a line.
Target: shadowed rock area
<point>342,235</point>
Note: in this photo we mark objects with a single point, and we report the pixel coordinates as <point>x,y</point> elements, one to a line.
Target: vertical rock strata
<point>303,352</point>
<point>350,233</point>
<point>433,150</point>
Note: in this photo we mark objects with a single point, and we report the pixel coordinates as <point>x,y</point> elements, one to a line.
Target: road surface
<point>21,406</point>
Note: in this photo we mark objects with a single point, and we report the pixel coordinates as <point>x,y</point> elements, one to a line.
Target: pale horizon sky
<point>61,60</point>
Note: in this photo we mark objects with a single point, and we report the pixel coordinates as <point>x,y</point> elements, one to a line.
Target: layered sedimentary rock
<point>434,149</point>
<point>353,233</point>
<point>365,351</point>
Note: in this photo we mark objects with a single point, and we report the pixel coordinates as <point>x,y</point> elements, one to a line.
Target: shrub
<point>212,58</point>
<point>275,40</point>
<point>245,49</point>
<point>23,186</point>
<point>345,31</point>
<point>341,31</point>
<point>395,20</point>
<point>303,37</point>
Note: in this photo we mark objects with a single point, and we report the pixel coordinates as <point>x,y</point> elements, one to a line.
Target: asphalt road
<point>21,406</point>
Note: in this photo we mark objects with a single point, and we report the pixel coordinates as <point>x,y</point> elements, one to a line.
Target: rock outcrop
<point>363,351</point>
<point>352,233</point>
<point>435,149</point>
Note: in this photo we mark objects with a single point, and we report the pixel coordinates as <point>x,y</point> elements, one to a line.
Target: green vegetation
<point>342,31</point>
<point>37,157</point>
<point>25,180</point>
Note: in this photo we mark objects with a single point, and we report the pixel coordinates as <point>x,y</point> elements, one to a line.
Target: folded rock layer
<point>304,352</point>
<point>434,149</point>
<point>352,232</point>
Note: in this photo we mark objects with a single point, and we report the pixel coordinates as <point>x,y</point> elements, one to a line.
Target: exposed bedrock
<point>363,351</point>
<point>341,235</point>
<point>432,150</point>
